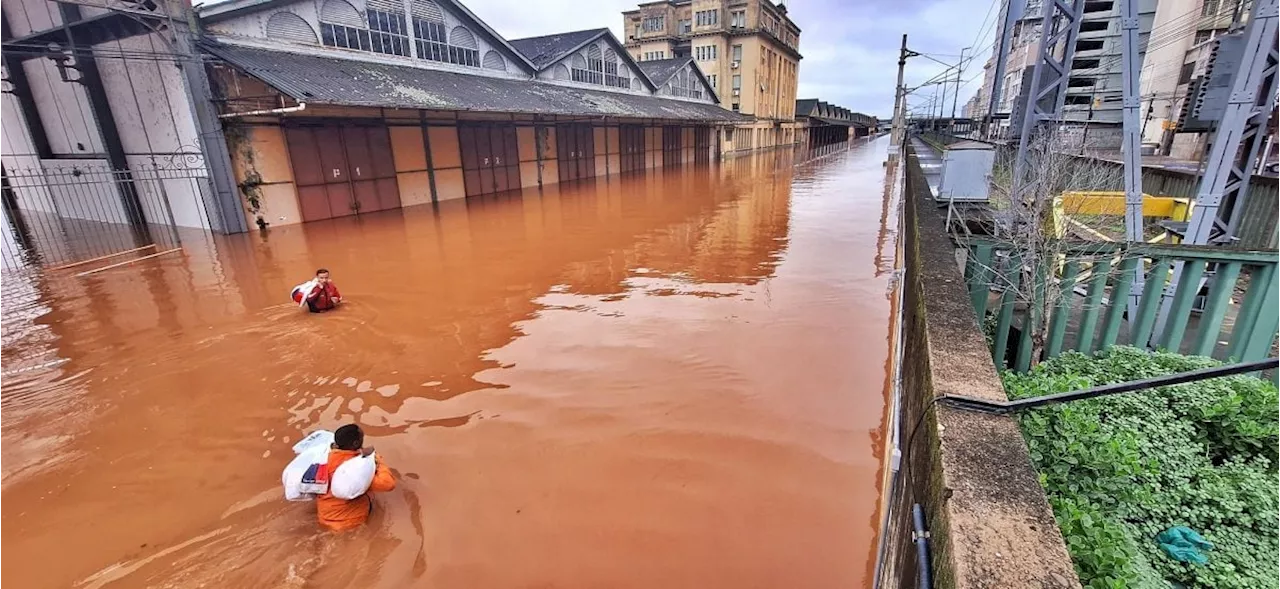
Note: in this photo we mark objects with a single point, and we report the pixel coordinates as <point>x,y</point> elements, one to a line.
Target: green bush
<point>1119,470</point>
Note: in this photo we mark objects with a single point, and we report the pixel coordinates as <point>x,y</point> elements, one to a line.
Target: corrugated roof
<point>548,49</point>
<point>661,70</point>
<point>331,80</point>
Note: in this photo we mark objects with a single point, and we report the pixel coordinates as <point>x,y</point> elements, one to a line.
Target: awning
<point>345,82</point>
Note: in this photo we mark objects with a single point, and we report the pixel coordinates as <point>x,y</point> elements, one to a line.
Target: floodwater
<point>671,380</point>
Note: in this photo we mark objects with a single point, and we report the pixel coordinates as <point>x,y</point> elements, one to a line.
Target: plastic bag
<point>308,474</point>
<point>352,478</point>
<point>321,436</point>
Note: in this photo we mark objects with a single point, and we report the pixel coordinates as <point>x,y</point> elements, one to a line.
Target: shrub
<point>1121,469</point>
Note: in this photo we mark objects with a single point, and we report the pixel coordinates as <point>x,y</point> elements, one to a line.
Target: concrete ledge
<point>989,521</point>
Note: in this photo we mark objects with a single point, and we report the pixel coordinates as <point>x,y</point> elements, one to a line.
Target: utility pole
<point>956,98</point>
<point>900,96</point>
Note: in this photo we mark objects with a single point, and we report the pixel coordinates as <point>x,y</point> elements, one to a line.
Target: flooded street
<point>664,380</point>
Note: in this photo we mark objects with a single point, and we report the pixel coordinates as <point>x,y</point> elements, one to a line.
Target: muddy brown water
<point>666,380</point>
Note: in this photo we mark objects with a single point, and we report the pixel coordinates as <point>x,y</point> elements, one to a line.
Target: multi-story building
<point>1094,100</point>
<point>748,50</point>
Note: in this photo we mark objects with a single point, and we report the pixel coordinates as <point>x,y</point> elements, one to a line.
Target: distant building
<point>748,50</point>
<point>1093,105</point>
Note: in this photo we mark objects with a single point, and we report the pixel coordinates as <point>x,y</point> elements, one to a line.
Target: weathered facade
<point>340,108</point>
<point>749,51</point>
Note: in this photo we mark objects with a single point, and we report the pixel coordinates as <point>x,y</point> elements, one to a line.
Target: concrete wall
<point>989,522</point>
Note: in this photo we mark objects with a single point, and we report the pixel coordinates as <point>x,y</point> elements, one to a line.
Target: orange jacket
<point>341,514</point>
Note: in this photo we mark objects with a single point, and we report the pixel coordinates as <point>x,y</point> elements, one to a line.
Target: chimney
<point>782,9</point>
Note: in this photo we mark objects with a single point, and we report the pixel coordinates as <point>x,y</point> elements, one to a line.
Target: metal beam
<point>1013,11</point>
<point>1059,28</point>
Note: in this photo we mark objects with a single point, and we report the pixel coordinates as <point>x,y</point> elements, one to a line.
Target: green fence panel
<point>1247,316</point>
<point>1224,284</point>
<point>1013,276</point>
<point>1089,321</point>
<point>978,274</point>
<point>1152,292</point>
<point>1119,301</point>
<point>1062,310</point>
<point>1180,308</point>
<point>1264,327</point>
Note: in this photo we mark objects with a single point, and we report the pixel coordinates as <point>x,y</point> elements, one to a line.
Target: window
<point>344,36</point>
<point>711,79</point>
<point>433,44</point>
<point>706,52</point>
<point>685,84</point>
<point>738,19</point>
<point>598,68</point>
<point>1209,8</point>
<point>684,26</point>
<point>654,24</point>
<point>735,107</point>
<point>736,52</point>
<point>387,32</point>
<point>707,18</point>
<point>1188,70</point>
<point>737,82</point>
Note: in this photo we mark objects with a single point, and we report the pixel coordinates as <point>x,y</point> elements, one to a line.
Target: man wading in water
<point>319,294</point>
<point>340,514</point>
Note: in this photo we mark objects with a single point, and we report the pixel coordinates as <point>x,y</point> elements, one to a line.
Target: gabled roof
<point>660,72</point>
<point>805,106</point>
<point>552,49</point>
<point>213,12</point>
<point>316,79</point>
<point>548,49</point>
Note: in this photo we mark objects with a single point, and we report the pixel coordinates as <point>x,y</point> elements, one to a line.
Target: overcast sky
<point>850,47</point>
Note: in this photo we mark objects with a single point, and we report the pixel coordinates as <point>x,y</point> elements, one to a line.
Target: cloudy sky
<point>850,47</point>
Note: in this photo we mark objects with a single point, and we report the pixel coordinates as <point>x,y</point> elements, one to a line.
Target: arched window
<point>427,10</point>
<point>341,25</point>
<point>493,61</point>
<point>598,67</point>
<point>685,83</point>
<point>287,26</point>
<point>560,73</point>
<point>461,37</point>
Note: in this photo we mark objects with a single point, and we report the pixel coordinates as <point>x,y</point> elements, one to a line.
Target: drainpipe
<point>921,537</point>
<point>269,111</point>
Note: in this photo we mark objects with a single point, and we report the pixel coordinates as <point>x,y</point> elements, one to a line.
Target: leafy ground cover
<point>1122,469</point>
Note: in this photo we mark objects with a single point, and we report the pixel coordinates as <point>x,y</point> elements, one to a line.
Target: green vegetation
<point>1120,470</point>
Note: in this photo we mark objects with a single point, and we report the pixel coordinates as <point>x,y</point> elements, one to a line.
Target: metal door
<point>308,174</point>
<point>511,159</point>
<point>384,168</point>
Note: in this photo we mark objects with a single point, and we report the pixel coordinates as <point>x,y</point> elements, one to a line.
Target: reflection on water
<point>671,380</point>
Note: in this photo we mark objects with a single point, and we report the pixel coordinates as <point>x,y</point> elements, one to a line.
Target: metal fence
<point>1259,221</point>
<point>62,212</point>
<point>1085,289</point>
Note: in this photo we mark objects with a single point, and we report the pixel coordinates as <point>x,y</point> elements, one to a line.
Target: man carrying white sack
<point>339,514</point>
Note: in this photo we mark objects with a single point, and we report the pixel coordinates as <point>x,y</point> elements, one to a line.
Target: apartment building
<point>747,49</point>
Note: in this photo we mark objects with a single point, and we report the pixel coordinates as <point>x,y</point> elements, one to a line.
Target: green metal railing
<point>1086,286</point>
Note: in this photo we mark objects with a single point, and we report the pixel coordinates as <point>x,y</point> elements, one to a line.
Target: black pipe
<point>924,577</point>
<point>1002,407</point>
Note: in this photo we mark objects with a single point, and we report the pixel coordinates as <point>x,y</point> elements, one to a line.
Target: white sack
<point>353,477</point>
